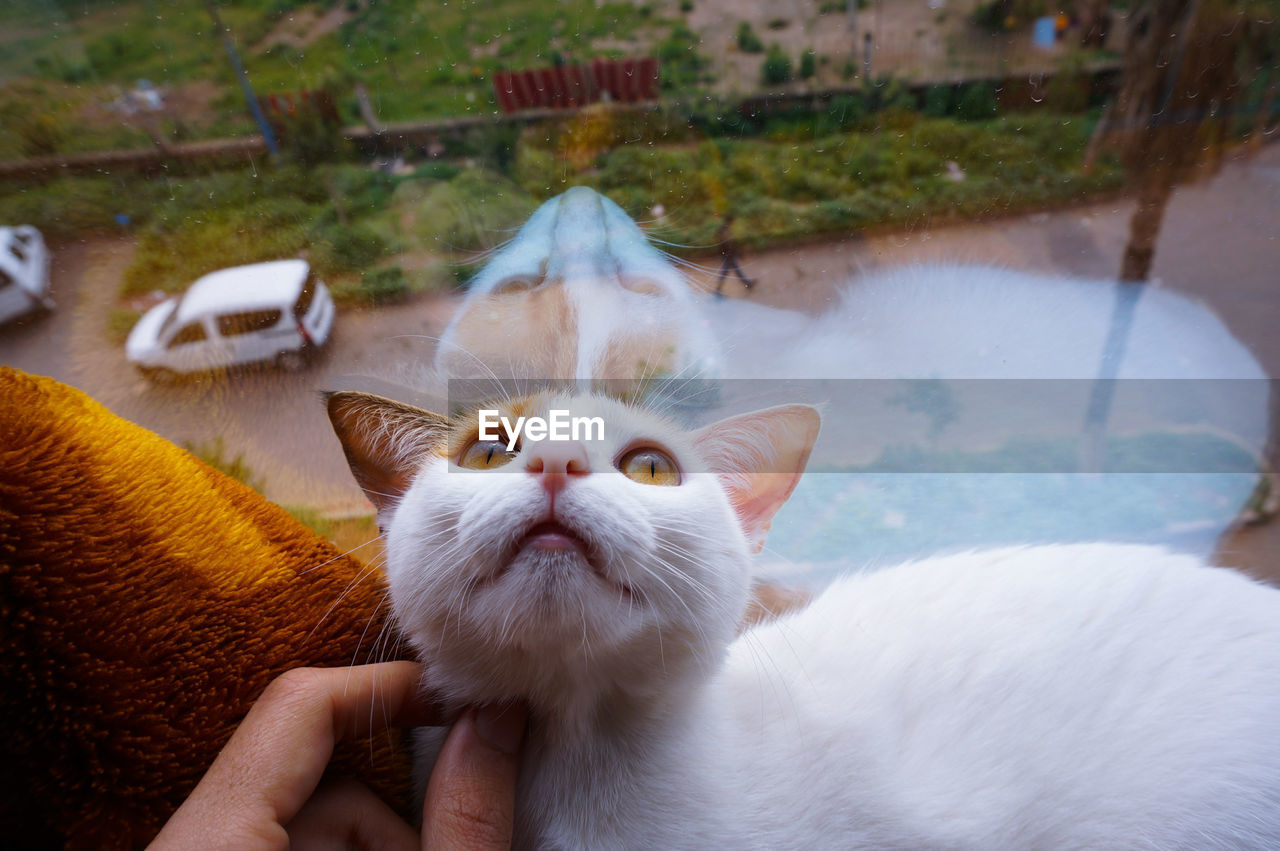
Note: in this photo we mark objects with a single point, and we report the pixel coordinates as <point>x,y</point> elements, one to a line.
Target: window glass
<point>233,324</point>
<point>191,333</point>
<point>305,298</point>
<point>805,175</point>
<point>1022,256</point>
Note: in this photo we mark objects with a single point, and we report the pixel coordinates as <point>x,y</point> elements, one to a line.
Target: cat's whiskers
<point>355,655</point>
<point>340,555</point>
<point>490,376</point>
<point>692,584</point>
<point>684,262</point>
<point>694,620</point>
<point>770,671</point>
<point>364,573</point>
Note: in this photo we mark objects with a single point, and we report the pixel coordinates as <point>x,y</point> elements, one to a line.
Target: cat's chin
<point>552,558</point>
<point>551,565</point>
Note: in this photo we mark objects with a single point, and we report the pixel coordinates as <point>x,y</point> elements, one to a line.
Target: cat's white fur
<point>1082,696</point>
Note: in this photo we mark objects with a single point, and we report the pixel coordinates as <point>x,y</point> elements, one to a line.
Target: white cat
<point>1082,696</point>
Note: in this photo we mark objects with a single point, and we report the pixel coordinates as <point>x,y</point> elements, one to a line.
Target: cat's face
<point>577,564</point>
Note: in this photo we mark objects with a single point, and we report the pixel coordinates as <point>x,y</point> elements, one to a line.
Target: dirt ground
<point>918,40</point>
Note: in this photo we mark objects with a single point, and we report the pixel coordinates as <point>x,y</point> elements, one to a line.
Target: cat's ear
<point>385,442</point>
<point>759,458</point>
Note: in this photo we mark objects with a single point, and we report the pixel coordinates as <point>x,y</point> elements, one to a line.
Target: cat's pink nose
<point>554,461</point>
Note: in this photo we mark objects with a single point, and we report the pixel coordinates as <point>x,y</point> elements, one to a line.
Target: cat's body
<point>982,322</point>
<point>1055,697</point>
<point>1095,696</point>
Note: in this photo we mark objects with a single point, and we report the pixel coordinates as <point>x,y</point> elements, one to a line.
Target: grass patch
<point>417,61</point>
<point>214,453</point>
<point>858,165</point>
<point>229,218</point>
<point>794,188</point>
<point>473,212</point>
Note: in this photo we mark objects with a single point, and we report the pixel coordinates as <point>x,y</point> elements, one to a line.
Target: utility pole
<point>254,107</point>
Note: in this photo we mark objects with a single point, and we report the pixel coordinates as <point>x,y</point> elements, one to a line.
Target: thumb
<point>470,801</point>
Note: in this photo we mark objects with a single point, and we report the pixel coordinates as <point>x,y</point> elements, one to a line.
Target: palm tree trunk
<point>1144,226</point>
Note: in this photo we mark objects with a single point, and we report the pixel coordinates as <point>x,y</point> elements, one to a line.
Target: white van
<point>277,311</point>
<point>24,272</point>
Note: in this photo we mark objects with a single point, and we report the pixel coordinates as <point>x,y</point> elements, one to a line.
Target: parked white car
<point>24,272</point>
<point>277,311</point>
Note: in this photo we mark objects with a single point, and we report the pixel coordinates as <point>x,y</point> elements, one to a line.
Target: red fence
<point>569,86</point>
<point>281,109</point>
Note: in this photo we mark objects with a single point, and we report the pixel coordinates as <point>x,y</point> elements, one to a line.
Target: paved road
<point>1220,243</point>
<point>274,418</point>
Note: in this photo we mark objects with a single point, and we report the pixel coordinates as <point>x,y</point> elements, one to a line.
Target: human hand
<point>261,790</point>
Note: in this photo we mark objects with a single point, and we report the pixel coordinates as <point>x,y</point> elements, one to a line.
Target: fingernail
<point>501,726</point>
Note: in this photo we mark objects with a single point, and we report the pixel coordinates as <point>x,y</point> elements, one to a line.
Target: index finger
<point>276,757</point>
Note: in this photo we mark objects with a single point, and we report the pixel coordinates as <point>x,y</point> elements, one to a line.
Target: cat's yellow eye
<point>649,467</point>
<point>485,455</point>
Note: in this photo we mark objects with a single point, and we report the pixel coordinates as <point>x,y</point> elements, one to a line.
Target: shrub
<point>41,135</point>
<point>748,41</point>
<point>1068,90</point>
<point>494,145</point>
<point>436,170</point>
<point>937,100</point>
<point>346,248</point>
<point>308,137</point>
<point>356,189</point>
<point>888,94</point>
<point>680,63</point>
<point>539,172</point>
<point>777,66</point>
<point>380,286</point>
<point>473,212</point>
<point>640,166</point>
<point>72,206</point>
<point>1007,14</point>
<point>808,65</point>
<point>977,102</point>
<point>843,111</point>
<point>947,140</point>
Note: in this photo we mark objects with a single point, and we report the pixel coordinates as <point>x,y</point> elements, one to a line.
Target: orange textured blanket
<point>145,601</point>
